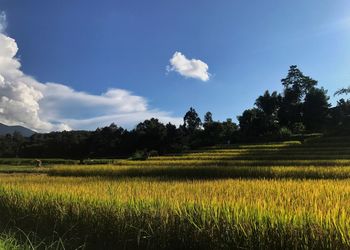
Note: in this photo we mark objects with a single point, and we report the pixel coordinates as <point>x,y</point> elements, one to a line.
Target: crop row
<point>203,172</point>
<point>276,156</point>
<point>227,162</point>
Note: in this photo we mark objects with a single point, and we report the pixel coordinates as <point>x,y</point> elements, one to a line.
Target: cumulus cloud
<point>193,68</point>
<point>19,99</point>
<point>51,106</point>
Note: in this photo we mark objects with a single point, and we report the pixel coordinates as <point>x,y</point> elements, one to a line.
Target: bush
<point>139,155</point>
<point>153,153</point>
<point>298,128</point>
<point>284,133</point>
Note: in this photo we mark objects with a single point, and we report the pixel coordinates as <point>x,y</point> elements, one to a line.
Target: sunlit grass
<point>257,196</point>
<point>205,214</point>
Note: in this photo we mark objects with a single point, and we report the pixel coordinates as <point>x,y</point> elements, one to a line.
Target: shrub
<point>153,153</point>
<point>298,128</point>
<point>284,133</point>
<point>139,155</point>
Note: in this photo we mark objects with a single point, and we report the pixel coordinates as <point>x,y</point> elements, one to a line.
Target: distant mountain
<point>4,129</point>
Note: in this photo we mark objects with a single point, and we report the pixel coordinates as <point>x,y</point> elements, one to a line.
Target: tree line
<point>300,109</point>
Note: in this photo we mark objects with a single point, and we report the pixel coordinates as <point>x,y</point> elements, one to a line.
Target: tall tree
<point>208,118</point>
<point>315,109</point>
<point>269,104</point>
<point>229,131</point>
<point>341,113</point>
<point>298,83</point>
<point>192,121</point>
<point>296,87</point>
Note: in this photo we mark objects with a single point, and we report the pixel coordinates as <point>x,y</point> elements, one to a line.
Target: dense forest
<point>302,108</point>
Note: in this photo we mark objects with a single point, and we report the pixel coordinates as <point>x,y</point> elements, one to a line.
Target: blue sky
<point>248,46</point>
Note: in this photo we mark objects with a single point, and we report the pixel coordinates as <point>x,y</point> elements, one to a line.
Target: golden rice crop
<point>257,196</point>
<point>167,214</point>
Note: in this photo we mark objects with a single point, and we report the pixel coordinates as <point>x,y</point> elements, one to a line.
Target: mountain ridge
<point>5,129</point>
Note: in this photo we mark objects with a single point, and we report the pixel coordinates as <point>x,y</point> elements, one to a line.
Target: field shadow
<point>212,173</point>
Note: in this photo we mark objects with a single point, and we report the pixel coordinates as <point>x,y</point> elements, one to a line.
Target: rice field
<point>280,196</point>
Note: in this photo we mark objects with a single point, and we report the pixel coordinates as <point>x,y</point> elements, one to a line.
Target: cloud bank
<point>192,68</point>
<point>52,106</point>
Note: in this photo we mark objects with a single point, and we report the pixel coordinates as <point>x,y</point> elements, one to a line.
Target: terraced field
<point>265,196</point>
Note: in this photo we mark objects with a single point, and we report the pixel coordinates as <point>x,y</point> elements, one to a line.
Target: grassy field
<point>263,196</point>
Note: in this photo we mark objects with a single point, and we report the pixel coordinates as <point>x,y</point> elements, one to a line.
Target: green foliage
<point>284,133</point>
<point>298,128</point>
<point>269,104</point>
<point>316,109</point>
<point>139,155</point>
<point>153,153</point>
<point>151,135</point>
<point>192,121</point>
<point>342,91</point>
<point>297,84</point>
<point>249,122</point>
<point>208,118</point>
<point>296,87</point>
<point>301,107</point>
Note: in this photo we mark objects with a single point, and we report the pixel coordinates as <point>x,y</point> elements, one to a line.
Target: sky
<point>85,64</point>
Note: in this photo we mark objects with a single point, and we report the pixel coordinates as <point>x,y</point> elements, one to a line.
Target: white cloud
<point>52,106</point>
<point>193,68</point>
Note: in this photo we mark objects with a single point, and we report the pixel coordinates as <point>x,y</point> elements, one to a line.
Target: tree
<point>250,122</point>
<point>315,109</point>
<point>298,83</point>
<point>107,141</point>
<point>18,140</point>
<point>340,114</point>
<point>229,131</point>
<point>269,103</point>
<point>342,91</point>
<point>172,142</point>
<point>151,134</point>
<point>208,118</point>
<point>192,122</point>
<point>296,87</point>
<point>290,111</point>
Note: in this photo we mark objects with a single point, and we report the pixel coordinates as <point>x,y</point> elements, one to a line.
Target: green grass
<point>9,243</point>
<point>20,240</point>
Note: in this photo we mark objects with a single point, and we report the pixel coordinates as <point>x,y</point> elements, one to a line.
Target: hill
<point>4,129</point>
